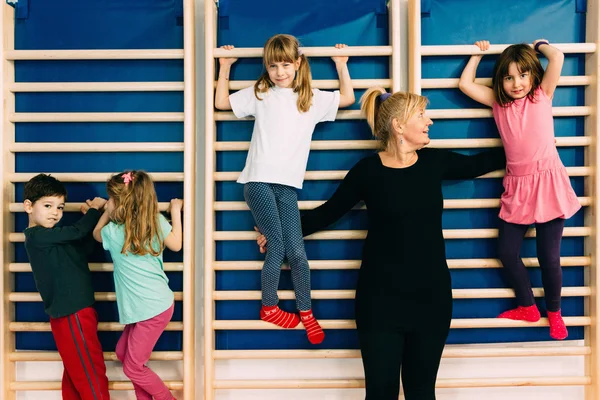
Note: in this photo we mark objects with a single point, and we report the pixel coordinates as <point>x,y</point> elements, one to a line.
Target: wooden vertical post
<point>592,95</point>
<point>7,311</point>
<point>395,41</point>
<point>189,189</point>
<point>210,32</point>
<point>414,46</point>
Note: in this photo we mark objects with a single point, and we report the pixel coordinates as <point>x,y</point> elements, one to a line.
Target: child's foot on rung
<point>313,329</point>
<point>277,316</point>
<point>529,314</point>
<point>558,330</point>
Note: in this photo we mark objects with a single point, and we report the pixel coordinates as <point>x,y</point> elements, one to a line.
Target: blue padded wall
<point>92,24</point>
<point>362,23</point>
<point>86,24</point>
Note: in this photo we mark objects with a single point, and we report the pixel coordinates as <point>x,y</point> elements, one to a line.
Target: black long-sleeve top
<point>59,264</point>
<point>404,279</point>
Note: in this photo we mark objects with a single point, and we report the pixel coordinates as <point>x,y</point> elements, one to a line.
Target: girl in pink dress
<point>537,189</point>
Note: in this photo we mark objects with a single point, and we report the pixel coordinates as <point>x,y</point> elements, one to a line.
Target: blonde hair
<point>526,61</point>
<point>379,114</point>
<point>285,48</point>
<point>136,207</point>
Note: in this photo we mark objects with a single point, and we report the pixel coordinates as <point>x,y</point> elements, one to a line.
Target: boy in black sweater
<point>62,276</point>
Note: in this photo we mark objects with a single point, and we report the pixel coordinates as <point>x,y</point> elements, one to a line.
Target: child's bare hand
<point>227,60</point>
<point>340,59</point>
<point>98,203</point>
<point>84,207</point>
<point>539,40</point>
<point>483,45</point>
<point>261,241</point>
<point>175,206</point>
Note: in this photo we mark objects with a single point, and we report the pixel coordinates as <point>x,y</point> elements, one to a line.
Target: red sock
<point>313,329</point>
<point>277,316</point>
<point>558,330</point>
<point>529,314</point>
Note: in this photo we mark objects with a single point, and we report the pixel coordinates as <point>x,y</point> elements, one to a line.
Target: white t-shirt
<point>281,137</point>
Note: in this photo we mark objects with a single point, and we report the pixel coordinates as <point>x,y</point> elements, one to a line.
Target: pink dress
<point>536,185</point>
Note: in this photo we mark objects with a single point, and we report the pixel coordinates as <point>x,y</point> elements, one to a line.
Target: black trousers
<point>549,235</point>
<point>417,351</point>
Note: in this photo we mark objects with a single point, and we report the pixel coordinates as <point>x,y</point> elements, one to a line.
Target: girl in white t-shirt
<point>286,109</point>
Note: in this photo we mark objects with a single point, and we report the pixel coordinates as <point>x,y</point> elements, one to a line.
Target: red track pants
<point>76,337</point>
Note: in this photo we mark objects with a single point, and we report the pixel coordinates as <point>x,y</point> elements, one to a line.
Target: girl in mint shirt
<point>135,234</point>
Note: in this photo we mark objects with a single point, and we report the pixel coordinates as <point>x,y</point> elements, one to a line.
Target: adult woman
<point>403,296</point>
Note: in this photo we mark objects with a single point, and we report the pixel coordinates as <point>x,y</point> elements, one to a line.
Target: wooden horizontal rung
<point>32,297</point>
<point>341,115</point>
<point>74,207</point>
<point>90,147</point>
<point>121,54</point>
<point>387,83</point>
<point>56,385</point>
<point>448,204</point>
<point>36,87</point>
<point>86,177</point>
<point>315,145</point>
<point>97,117</point>
<point>499,293</point>
<point>440,383</point>
<point>94,267</point>
<point>102,326</point>
<point>108,356</point>
<point>451,351</point>
<point>453,83</point>
<point>17,237</point>
<point>361,234</point>
<point>323,84</point>
<point>100,147</point>
<point>491,203</point>
<point>328,51</point>
<point>464,113</point>
<point>471,49</point>
<point>459,113</point>
<point>435,143</point>
<point>472,263</point>
<point>462,323</point>
<point>509,293</point>
<point>339,175</point>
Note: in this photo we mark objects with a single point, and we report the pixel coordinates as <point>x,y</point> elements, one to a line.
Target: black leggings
<point>418,352</point>
<point>549,235</point>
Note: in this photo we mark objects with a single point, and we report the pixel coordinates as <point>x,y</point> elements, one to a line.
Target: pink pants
<point>133,350</point>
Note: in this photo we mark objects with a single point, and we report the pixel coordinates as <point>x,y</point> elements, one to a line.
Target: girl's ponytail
<point>369,107</point>
<point>303,85</point>
<point>380,108</point>
<point>262,85</point>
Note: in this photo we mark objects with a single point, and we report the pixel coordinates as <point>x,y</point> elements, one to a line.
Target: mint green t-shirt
<point>140,282</point>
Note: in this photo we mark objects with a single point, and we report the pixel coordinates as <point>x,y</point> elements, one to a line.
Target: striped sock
<point>277,316</point>
<point>313,329</point>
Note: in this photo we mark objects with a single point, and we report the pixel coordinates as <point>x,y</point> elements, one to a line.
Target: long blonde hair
<point>285,48</point>
<point>379,113</point>
<point>136,207</point>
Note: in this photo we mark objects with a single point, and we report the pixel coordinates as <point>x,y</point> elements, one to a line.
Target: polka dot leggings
<point>275,210</point>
